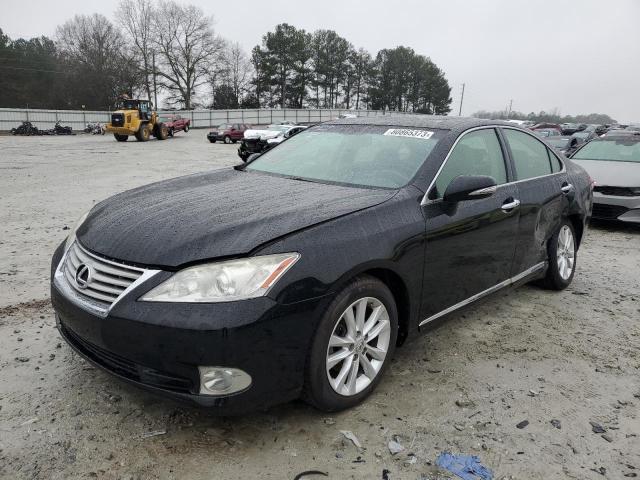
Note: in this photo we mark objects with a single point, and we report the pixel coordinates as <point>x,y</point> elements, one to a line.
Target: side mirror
<point>469,187</point>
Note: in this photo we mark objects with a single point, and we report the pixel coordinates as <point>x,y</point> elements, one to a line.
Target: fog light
<point>222,380</point>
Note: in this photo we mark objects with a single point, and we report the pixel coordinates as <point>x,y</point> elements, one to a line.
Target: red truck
<point>228,132</point>
<point>175,123</point>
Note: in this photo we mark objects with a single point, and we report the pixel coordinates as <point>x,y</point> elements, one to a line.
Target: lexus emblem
<point>83,276</point>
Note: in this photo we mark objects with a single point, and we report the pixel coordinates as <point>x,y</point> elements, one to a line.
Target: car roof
<point>421,121</point>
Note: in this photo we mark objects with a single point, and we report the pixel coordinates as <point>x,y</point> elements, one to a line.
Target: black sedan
<point>298,273</point>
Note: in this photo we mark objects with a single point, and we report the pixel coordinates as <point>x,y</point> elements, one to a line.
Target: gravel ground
<point>568,362</point>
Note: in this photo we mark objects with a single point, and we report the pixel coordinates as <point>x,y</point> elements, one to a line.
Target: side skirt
<point>511,281</point>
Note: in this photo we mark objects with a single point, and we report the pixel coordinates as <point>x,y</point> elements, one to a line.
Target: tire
<point>186,128</point>
<point>227,139</point>
<point>212,140</point>
<point>142,135</point>
<point>346,390</point>
<point>160,131</point>
<point>563,256</point>
<point>234,141</point>
<point>121,138</point>
<point>171,132</point>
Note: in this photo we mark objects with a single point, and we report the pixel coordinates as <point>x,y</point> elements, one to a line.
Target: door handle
<point>508,206</point>
<point>566,188</point>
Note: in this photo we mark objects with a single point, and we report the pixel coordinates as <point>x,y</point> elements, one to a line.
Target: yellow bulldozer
<point>136,117</point>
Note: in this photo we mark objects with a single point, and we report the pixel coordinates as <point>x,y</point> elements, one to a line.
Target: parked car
<point>565,145</point>
<point>176,123</point>
<point>257,141</point>
<point>228,132</point>
<point>547,126</point>
<point>585,135</point>
<point>547,132</point>
<point>613,161</point>
<point>300,272</point>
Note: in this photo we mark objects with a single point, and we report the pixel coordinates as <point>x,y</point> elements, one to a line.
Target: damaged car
<point>299,273</point>
<point>258,141</point>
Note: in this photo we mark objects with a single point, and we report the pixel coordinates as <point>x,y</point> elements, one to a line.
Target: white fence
<point>78,119</point>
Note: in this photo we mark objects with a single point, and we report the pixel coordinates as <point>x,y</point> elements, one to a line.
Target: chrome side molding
<point>484,293</point>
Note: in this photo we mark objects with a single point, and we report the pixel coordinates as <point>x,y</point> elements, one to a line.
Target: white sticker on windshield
<point>403,132</point>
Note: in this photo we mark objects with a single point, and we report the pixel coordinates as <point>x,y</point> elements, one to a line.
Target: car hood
<point>216,214</point>
<point>614,174</point>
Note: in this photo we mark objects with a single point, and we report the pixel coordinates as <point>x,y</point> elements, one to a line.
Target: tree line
<point>170,50</point>
<point>552,116</point>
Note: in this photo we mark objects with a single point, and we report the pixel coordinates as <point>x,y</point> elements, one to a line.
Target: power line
<point>34,70</point>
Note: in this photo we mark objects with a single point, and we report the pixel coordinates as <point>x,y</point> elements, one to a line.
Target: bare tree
<point>186,42</point>
<point>237,69</point>
<point>96,57</point>
<point>135,17</point>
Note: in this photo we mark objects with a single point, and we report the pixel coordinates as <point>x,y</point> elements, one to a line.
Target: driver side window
<point>477,153</point>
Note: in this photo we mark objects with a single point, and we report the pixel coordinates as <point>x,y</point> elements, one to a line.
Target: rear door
<point>470,244</point>
<point>544,194</point>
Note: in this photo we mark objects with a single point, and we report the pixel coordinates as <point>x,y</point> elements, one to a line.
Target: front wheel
<point>353,345</point>
<point>563,253</point>
<point>121,138</point>
<point>186,128</point>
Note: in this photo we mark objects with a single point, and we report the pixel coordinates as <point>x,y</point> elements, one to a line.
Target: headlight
<point>224,281</point>
<point>72,234</point>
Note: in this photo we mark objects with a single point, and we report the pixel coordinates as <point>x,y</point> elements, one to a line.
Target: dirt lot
<point>571,357</point>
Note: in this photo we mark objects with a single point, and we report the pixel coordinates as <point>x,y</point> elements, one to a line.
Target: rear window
<point>621,150</point>
<point>366,155</point>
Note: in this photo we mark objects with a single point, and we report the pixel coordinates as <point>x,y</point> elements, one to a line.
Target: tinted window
<point>477,153</point>
<point>359,155</point>
<point>529,155</point>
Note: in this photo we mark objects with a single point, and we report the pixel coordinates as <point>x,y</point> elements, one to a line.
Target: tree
<point>186,42</point>
<point>94,54</point>
<point>136,19</point>
<point>235,72</point>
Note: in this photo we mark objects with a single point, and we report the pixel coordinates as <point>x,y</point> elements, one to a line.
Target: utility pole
<point>461,100</point>
<point>510,107</point>
<point>155,86</point>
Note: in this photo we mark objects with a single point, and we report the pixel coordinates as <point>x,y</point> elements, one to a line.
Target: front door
<point>470,245</point>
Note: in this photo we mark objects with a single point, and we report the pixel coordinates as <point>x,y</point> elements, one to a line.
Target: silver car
<point>613,162</point>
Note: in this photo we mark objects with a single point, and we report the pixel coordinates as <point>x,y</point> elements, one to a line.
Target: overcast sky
<point>580,56</point>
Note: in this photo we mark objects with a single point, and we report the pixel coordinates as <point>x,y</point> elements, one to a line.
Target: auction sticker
<point>403,132</point>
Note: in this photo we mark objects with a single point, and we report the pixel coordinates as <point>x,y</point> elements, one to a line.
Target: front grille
<point>607,212</point>
<point>104,281</point>
<point>125,367</point>
<point>117,119</point>
<point>617,191</point>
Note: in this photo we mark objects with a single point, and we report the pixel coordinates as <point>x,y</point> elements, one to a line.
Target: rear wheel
<point>121,138</point>
<point>142,135</point>
<point>563,253</point>
<point>227,139</point>
<point>353,345</point>
<point>186,128</point>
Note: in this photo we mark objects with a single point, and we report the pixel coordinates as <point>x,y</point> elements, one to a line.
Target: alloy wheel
<point>358,346</point>
<point>566,252</point>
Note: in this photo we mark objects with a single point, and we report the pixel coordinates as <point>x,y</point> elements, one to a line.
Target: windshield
<point>278,128</point>
<point>166,119</point>
<point>625,150</point>
<point>224,126</point>
<point>128,105</point>
<point>366,155</point>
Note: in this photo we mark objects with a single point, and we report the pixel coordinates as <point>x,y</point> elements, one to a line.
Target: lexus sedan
<point>298,273</point>
<point>613,161</point>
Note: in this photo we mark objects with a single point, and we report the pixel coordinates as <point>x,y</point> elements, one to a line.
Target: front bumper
<point>612,207</point>
<point>159,346</point>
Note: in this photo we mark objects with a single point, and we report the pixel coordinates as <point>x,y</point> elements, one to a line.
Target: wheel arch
<point>395,283</point>
<point>578,227</point>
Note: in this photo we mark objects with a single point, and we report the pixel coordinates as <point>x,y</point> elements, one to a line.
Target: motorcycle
<point>27,128</point>
<point>95,128</point>
<point>62,130</point>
